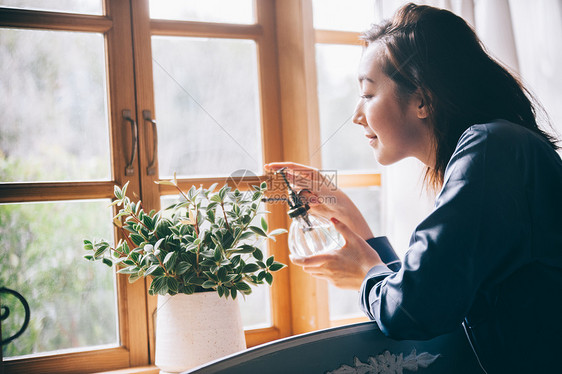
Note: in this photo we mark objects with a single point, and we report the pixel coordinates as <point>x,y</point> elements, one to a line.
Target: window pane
<point>345,15</point>
<point>207,106</point>
<point>345,303</point>
<point>53,123</point>
<point>72,6</point>
<point>255,308</point>
<point>229,11</point>
<point>72,301</point>
<point>344,146</point>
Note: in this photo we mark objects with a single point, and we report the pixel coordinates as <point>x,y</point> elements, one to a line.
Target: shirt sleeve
<point>471,238</point>
<point>387,254</point>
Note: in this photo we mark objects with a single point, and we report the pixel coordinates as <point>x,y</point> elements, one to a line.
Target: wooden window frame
<point>132,308</point>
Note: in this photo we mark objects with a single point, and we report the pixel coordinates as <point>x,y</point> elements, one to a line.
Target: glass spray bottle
<point>309,234</point>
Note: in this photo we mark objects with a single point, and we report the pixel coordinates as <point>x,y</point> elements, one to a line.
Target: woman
<point>489,256</point>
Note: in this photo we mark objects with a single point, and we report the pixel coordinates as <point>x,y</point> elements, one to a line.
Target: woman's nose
<point>358,116</point>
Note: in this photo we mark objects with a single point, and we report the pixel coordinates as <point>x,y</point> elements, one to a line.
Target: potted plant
<point>201,251</point>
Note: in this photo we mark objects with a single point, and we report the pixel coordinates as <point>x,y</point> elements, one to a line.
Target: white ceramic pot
<point>194,329</point>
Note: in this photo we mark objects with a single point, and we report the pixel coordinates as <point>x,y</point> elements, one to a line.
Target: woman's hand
<point>324,197</point>
<point>345,267</point>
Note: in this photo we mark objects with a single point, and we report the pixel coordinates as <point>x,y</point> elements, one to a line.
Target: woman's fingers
<point>314,260</point>
<point>291,166</point>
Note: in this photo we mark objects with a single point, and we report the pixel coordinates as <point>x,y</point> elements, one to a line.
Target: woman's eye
<point>366,97</point>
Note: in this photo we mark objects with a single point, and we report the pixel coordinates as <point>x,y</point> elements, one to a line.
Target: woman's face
<point>394,129</point>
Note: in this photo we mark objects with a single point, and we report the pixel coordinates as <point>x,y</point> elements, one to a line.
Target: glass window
<point>344,15</point>
<point>207,106</point>
<point>72,6</point>
<point>256,307</point>
<point>344,146</point>
<point>54,121</point>
<point>229,11</point>
<point>345,303</point>
<point>73,302</point>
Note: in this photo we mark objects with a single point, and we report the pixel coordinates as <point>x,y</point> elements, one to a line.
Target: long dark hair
<point>436,52</point>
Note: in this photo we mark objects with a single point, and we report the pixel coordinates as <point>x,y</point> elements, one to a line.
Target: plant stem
<point>197,271</point>
<point>224,214</point>
<point>181,192</point>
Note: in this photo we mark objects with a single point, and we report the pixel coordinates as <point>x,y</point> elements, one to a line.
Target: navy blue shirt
<point>488,256</point>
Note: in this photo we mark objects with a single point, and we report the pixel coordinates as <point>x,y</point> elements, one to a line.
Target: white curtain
<point>526,36</point>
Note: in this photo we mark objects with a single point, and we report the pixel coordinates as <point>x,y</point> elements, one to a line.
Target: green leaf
<point>172,284</point>
<point>89,258</point>
<point>88,245</point>
<point>235,260</point>
<point>250,268</point>
<point>242,286</point>
<point>209,284</point>
<point>269,261</point>
<point>277,232</point>
<point>192,193</point>
<point>217,255</point>
<point>182,267</point>
<point>170,260</point>
<point>137,239</point>
<point>211,216</point>
<point>276,266</point>
<point>100,251</point>
<point>198,281</point>
<point>246,235</point>
<point>212,187</point>
<point>263,186</point>
<point>221,274</point>
<point>129,270</point>
<point>258,254</point>
<point>134,277</point>
<point>233,293</point>
<point>124,189</point>
<point>223,191</point>
<point>187,289</point>
<point>220,290</point>
<point>245,248</point>
<point>158,243</point>
<point>258,230</point>
<point>157,284</point>
<point>165,183</point>
<point>264,224</point>
<point>269,278</point>
<point>107,261</point>
<point>151,269</point>
<point>117,192</point>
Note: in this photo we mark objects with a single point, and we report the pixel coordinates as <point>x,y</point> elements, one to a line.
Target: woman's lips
<point>372,138</point>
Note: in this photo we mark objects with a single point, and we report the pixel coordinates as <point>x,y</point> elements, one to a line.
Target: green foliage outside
<point>54,128</point>
<point>72,304</point>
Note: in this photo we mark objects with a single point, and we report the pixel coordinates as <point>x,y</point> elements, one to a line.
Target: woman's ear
<point>422,109</point>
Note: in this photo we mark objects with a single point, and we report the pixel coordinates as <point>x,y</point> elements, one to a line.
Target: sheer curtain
<point>526,36</point>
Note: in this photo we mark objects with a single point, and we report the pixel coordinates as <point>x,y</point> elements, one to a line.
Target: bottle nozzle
<point>297,207</point>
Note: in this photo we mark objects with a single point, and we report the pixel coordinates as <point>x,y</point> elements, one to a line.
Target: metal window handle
<point>130,169</point>
<point>151,168</point>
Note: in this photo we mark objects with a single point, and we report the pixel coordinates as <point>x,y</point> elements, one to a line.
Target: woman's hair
<point>436,52</point>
